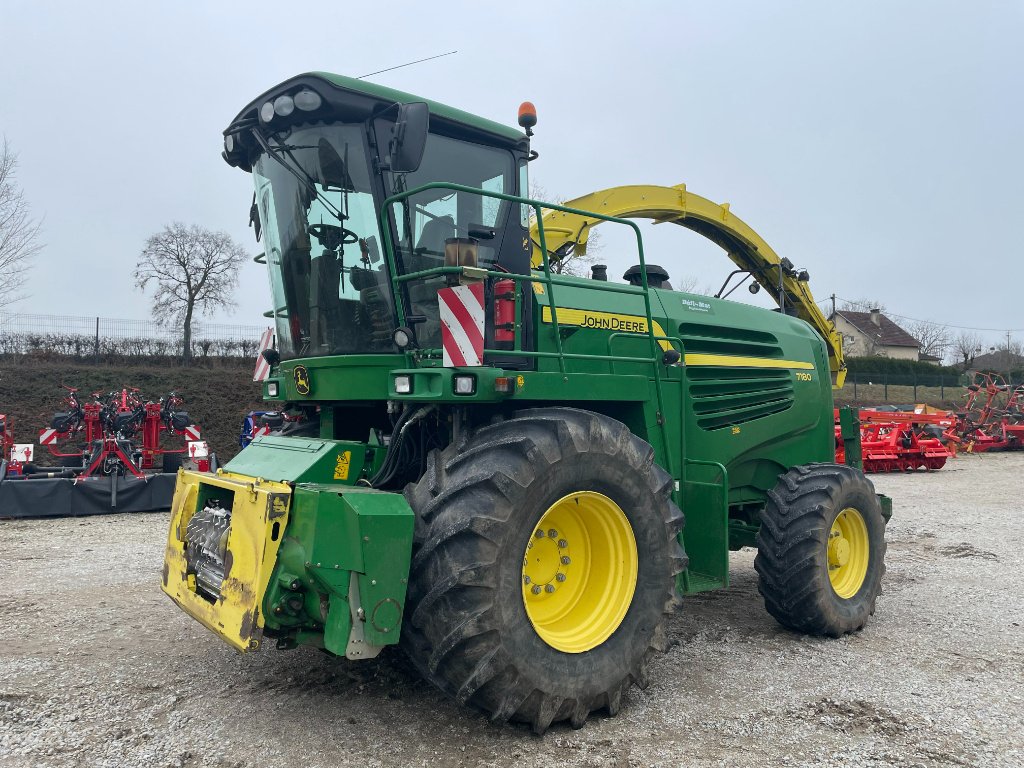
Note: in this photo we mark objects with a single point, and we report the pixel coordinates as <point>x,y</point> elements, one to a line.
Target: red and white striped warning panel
<point>262,366</point>
<point>259,431</point>
<point>192,432</point>
<point>47,436</point>
<point>462,324</point>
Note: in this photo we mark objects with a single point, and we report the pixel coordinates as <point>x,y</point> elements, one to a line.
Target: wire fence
<point>107,339</point>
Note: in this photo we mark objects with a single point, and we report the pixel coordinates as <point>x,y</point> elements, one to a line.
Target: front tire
<point>506,523</point>
<point>821,550</point>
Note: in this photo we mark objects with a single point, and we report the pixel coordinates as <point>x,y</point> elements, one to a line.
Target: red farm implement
<point>118,434</point>
<point>15,458</point>
<point>992,418</point>
<point>898,441</point>
<point>113,455</point>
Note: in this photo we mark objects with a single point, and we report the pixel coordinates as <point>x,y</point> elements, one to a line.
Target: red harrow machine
<point>898,441</point>
<point>109,448</point>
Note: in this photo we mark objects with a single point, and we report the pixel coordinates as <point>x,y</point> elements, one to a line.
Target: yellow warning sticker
<point>341,468</point>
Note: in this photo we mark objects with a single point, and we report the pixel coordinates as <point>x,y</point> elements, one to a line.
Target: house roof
<point>996,361</point>
<point>887,333</point>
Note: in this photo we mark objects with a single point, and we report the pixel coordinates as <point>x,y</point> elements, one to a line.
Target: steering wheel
<point>331,235</point>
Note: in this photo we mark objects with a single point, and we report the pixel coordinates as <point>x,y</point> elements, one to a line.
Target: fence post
<point>96,345</point>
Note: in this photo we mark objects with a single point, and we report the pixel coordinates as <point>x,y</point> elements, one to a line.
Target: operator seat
<point>429,253</point>
<point>435,232</point>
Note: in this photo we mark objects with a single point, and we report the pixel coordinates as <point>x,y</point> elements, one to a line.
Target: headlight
<point>465,385</point>
<point>403,385</point>
<point>307,100</point>
<point>272,389</point>
<point>267,112</point>
<point>284,105</point>
<point>402,337</point>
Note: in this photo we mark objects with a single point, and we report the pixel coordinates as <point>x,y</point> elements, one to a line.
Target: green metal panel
<point>849,431</point>
<point>340,377</point>
<point>706,535</point>
<point>335,531</point>
<point>301,459</point>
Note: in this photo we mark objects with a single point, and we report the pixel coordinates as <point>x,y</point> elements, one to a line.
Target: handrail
<point>546,278</point>
<point>741,243</point>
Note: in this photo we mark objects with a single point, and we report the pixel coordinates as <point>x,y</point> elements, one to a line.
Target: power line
<point>408,64</point>
<point>933,322</point>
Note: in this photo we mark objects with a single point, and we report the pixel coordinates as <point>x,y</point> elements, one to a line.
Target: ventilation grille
<point>722,340</point>
<point>724,397</point>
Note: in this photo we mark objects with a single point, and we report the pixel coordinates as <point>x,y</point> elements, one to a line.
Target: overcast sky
<point>878,144</point>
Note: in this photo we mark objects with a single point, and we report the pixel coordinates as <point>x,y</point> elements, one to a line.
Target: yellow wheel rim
<point>579,572</point>
<point>848,553</point>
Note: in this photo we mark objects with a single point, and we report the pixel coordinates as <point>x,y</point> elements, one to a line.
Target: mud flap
<point>259,514</point>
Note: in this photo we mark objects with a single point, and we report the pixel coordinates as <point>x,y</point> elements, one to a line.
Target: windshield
<point>329,283</point>
<point>426,221</point>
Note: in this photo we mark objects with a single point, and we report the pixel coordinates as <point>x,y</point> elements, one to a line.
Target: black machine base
<point>63,497</point>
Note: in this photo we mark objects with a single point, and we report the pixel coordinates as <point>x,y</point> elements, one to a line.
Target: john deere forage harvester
<point>487,462</point>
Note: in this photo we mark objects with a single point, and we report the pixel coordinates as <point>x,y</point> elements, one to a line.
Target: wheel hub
<point>579,572</point>
<point>544,561</point>
<point>838,551</point>
<point>848,553</point>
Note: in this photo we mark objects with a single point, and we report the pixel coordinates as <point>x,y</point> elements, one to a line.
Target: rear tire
<point>821,550</point>
<point>468,627</point>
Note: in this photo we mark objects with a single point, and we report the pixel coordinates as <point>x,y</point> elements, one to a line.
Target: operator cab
<point>326,153</point>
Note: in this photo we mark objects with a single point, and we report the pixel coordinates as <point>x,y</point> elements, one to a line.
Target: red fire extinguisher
<point>505,310</point>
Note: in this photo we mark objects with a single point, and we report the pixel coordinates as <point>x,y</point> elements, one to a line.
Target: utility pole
<point>833,297</point>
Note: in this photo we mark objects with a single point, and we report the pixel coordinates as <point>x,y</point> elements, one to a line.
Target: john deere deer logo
<point>301,376</point>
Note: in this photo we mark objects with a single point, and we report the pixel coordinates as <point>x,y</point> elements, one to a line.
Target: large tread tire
<point>792,554</point>
<point>466,628</point>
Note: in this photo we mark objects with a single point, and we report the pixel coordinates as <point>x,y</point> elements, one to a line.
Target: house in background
<point>999,361</point>
<point>872,334</point>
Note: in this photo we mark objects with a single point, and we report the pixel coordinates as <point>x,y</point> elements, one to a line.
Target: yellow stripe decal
<point>729,361</point>
<point>604,321</point>
<point>611,321</point>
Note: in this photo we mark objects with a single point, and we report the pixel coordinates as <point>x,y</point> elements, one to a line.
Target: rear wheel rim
<point>848,553</point>
<point>579,571</point>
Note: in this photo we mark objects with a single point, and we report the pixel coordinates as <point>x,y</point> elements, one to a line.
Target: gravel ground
<point>98,668</point>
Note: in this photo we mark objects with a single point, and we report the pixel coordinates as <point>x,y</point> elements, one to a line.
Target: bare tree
<point>19,232</point>
<point>691,284</point>
<point>577,260</point>
<point>933,338</point>
<point>193,270</point>
<point>964,347</point>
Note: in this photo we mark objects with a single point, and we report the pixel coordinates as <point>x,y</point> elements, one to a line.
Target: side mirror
<point>409,137</point>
